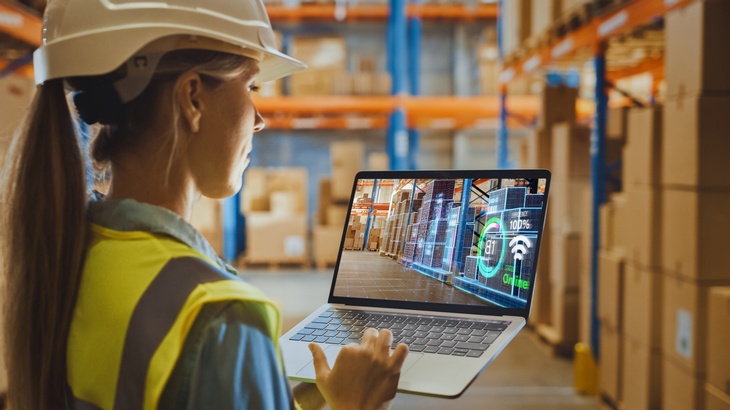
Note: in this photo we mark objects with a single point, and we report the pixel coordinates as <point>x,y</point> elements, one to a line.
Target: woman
<point>120,303</point>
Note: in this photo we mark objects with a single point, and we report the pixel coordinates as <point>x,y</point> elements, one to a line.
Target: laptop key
<point>459,352</point>
<point>411,320</point>
<point>397,325</point>
<point>343,335</point>
<point>448,343</point>
<point>431,349</point>
<point>495,326</point>
<point>316,326</point>
<point>476,339</point>
<point>332,327</point>
<point>478,325</point>
<point>445,350</point>
<point>425,321</point>
<point>451,323</point>
<point>438,329</point>
<point>471,346</point>
<point>408,333</point>
<point>306,331</point>
<point>411,327</point>
<point>421,334</point>
<point>479,332</point>
<point>450,329</point>
<point>321,339</point>
<point>433,335</point>
<point>434,342</point>
<point>438,322</point>
<point>491,338</point>
<point>308,338</point>
<point>331,333</point>
<point>321,320</point>
<point>334,340</point>
<point>464,331</point>
<point>447,336</point>
<point>421,341</point>
<point>474,353</point>
<point>416,348</point>
<point>424,328</point>
<point>297,336</point>
<point>408,340</point>
<point>344,328</point>
<point>318,332</point>
<point>463,325</point>
<point>462,338</point>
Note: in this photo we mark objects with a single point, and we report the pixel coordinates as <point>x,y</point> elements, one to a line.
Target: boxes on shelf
<point>642,305</point>
<point>260,183</point>
<point>325,244</point>
<point>517,24</point>
<point>544,13</point>
<point>695,142</point>
<point>641,381</point>
<point>326,57</point>
<point>611,360</point>
<point>718,339</point>
<point>616,123</point>
<point>681,389</point>
<point>557,105</point>
<point>644,222</point>
<point>694,231</point>
<point>684,323</point>
<point>347,159</point>
<point>276,238</point>
<point>696,58</point>
<point>571,177</point>
<point>642,152</point>
<point>610,285</point>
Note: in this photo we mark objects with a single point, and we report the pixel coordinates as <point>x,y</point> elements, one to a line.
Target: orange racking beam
<point>654,66</point>
<point>20,24</point>
<point>25,71</point>
<point>381,12</point>
<point>635,14</point>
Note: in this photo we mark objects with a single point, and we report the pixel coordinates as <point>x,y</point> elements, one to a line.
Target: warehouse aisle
<point>524,376</point>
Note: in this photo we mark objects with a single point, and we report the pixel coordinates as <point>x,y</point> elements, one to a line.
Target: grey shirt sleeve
<point>228,362</point>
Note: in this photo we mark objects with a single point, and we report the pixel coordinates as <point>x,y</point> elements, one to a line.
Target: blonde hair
<point>43,219</point>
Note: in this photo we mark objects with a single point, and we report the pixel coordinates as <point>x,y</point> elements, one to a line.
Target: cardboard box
<point>643,149</point>
<point>276,238</point>
<point>336,215</point>
<point>644,225</point>
<point>544,13</point>
<point>260,182</point>
<point>571,145</point>
<point>558,105</point>
<point>616,123</point>
<point>565,260</point>
<point>641,381</point>
<point>681,390</point>
<point>540,149</point>
<point>621,230</point>
<point>606,225</point>
<point>350,242</point>
<point>715,399</point>
<point>347,159</point>
<point>564,304</point>
<point>718,338</point>
<point>609,367</point>
<point>285,202</point>
<point>696,56</point>
<point>684,323</point>
<point>694,232</point>
<point>695,147</point>
<point>326,243</point>
<point>516,15</point>
<point>642,306</point>
<point>610,283</point>
<point>326,58</point>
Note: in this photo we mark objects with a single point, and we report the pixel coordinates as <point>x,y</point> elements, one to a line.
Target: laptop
<point>445,259</point>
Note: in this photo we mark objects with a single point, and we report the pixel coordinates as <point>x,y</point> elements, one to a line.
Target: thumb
<point>321,367</point>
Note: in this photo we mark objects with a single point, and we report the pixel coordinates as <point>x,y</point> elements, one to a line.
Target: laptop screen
<point>456,241</point>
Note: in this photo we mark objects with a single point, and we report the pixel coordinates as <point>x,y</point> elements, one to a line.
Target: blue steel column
<point>502,133</point>
<point>414,76</point>
<point>397,143</point>
<point>598,165</point>
<point>234,227</point>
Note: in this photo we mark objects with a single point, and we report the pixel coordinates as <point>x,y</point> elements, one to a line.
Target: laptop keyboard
<point>426,334</point>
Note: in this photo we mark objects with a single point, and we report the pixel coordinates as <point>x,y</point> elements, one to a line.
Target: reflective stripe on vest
<point>160,321</point>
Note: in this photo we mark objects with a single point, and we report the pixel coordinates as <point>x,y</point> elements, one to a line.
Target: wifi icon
<point>519,249</point>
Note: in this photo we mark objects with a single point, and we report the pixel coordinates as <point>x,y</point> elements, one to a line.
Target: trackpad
<point>331,352</point>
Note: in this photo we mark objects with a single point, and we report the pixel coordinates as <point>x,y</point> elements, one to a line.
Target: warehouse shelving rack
<point>594,36</point>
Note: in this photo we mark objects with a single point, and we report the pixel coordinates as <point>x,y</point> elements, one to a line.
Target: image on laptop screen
<point>450,241</point>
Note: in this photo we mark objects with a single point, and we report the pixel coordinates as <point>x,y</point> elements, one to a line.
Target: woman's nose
<point>260,123</point>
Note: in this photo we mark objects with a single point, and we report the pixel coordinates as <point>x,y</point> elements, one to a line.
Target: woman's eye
<point>253,88</point>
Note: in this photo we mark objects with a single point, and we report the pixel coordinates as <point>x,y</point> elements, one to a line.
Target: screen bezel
<point>444,174</point>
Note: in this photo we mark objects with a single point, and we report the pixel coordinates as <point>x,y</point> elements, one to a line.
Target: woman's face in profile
<point>220,152</point>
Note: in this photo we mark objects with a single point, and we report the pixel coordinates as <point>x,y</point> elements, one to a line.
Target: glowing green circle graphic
<point>484,270</point>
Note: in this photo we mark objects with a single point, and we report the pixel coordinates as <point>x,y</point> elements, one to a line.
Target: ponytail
<point>43,245</point>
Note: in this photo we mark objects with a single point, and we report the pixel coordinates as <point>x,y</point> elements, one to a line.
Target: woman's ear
<point>189,89</point>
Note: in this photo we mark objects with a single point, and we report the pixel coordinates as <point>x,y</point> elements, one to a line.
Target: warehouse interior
<point>624,101</point>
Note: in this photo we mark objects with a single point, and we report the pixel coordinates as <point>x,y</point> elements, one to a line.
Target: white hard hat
<point>94,37</point>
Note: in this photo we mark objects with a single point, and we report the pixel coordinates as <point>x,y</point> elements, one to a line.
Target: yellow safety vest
<point>139,295</point>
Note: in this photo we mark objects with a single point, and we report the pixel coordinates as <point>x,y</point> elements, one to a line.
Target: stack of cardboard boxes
<point>347,159</point>
<point>359,238</point>
<point>696,200</point>
<point>326,58</point>
<point>275,205</point>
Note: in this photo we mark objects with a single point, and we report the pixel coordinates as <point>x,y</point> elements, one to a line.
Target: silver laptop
<point>445,259</point>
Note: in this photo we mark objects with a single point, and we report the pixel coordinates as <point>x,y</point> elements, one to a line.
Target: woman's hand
<point>365,376</point>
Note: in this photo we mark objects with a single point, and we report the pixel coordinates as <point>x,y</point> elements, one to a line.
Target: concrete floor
<point>524,376</point>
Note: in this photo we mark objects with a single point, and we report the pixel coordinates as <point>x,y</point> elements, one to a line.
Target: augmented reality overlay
<point>455,241</point>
